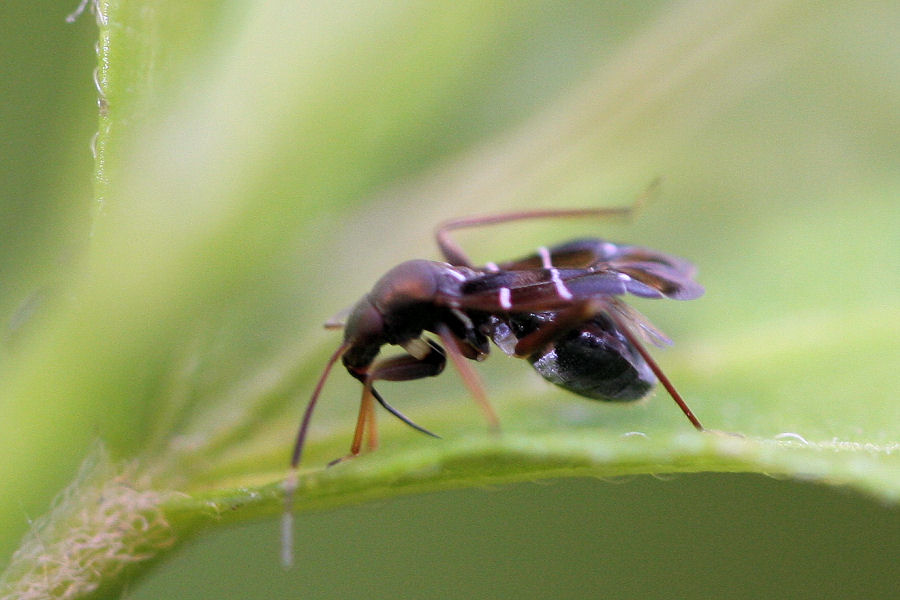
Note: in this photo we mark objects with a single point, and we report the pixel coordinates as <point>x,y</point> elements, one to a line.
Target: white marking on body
<point>503,293</point>
<point>545,257</point>
<point>457,274</point>
<point>561,289</point>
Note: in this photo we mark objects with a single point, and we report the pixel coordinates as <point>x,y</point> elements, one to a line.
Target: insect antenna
<point>290,484</point>
<point>455,255</point>
<point>307,414</point>
<point>401,416</point>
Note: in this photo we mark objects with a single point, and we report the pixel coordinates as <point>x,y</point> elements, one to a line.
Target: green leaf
<point>258,167</point>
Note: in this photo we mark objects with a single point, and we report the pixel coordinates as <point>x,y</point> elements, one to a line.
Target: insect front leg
<point>428,361</point>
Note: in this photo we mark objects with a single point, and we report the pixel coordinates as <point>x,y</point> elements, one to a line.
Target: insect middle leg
<point>469,376</point>
<point>564,321</point>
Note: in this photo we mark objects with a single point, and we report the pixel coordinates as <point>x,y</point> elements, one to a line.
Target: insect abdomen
<point>595,362</point>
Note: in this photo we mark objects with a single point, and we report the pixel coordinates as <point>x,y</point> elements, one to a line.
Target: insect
<point>559,308</point>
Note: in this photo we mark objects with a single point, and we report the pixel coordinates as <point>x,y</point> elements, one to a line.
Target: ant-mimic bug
<point>558,308</point>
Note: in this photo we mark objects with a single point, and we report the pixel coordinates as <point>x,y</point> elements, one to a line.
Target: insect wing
<point>586,263</point>
<point>489,283</point>
<point>639,323</point>
<point>640,254</point>
<point>610,282</point>
<point>672,276</point>
<point>538,290</point>
<point>670,281</point>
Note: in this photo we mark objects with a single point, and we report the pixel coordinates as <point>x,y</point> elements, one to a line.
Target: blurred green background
<point>779,153</point>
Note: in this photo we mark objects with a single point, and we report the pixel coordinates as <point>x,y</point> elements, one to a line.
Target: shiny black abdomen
<point>595,360</point>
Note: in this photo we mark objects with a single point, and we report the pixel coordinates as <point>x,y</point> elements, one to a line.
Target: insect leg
<point>401,416</point>
<point>406,368</point>
<point>571,317</point>
<point>564,321</point>
<point>364,419</point>
<point>469,376</point>
<point>632,339</point>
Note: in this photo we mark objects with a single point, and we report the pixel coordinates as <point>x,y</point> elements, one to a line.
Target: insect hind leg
<point>663,379</point>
